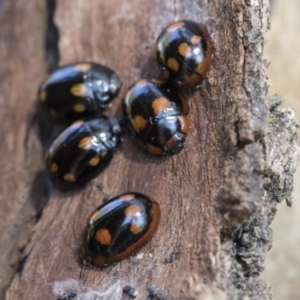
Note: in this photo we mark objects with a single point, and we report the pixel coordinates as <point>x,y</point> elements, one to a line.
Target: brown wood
<point>213,185</point>
<point>22,30</point>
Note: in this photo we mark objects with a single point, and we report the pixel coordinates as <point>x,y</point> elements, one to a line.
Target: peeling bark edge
<point>255,179</point>
<point>242,189</point>
<point>252,241</point>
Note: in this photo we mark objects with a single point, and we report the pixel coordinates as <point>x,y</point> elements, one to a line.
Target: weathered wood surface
<point>22,30</point>
<point>219,170</point>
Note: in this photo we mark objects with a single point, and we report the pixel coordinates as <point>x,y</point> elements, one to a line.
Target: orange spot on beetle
<point>53,168</point>
<point>172,63</point>
<point>79,90</point>
<point>160,104</point>
<point>103,236</point>
<point>184,49</point>
<point>158,80</point>
<point>132,210</point>
<point>79,108</point>
<point>69,177</point>
<point>139,123</point>
<point>94,161</point>
<point>135,228</point>
<point>196,39</point>
<point>85,143</point>
<point>43,96</point>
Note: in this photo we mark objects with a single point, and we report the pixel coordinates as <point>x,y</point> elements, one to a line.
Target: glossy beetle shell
<point>157,115</point>
<point>184,51</point>
<point>118,228</point>
<point>81,151</point>
<point>75,91</point>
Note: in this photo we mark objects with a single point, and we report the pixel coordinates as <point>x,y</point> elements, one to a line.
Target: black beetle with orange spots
<point>76,91</point>
<point>156,114</point>
<point>184,51</point>
<point>118,228</point>
<point>82,151</point>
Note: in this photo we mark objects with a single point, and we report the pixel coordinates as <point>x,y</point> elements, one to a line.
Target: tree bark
<point>217,196</point>
<point>22,30</point>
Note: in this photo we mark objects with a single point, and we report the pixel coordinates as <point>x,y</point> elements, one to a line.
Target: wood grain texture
<point>22,67</point>
<point>220,167</point>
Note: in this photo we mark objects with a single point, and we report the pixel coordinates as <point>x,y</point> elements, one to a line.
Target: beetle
<point>119,227</point>
<point>76,91</point>
<point>82,151</point>
<point>184,50</point>
<point>156,114</point>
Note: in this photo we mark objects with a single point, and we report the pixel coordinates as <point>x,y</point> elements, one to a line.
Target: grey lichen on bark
<point>282,152</point>
<point>252,241</point>
<point>260,165</point>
